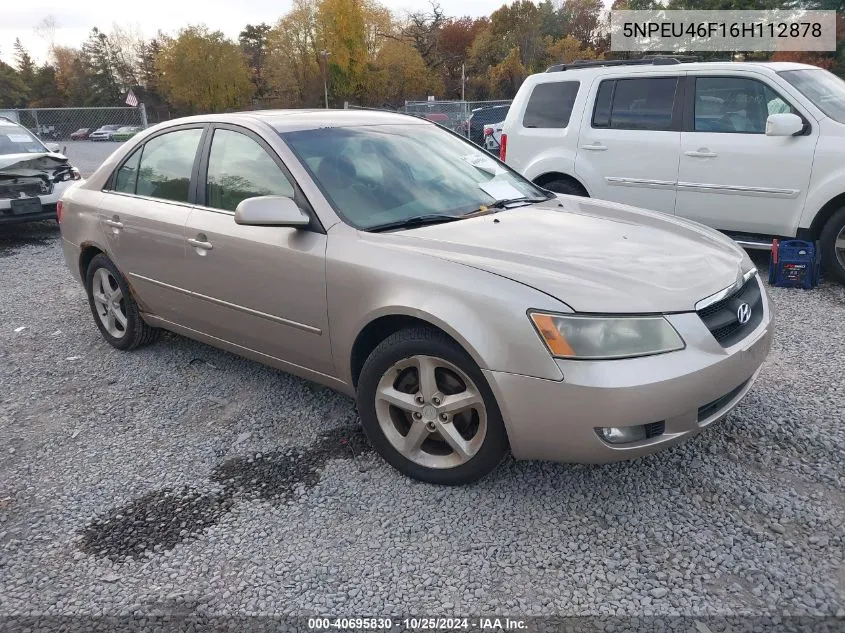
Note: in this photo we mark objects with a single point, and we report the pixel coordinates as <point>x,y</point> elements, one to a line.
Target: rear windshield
<point>550,104</point>
<point>15,139</point>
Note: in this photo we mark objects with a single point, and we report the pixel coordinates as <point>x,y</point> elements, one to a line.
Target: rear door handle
<point>115,223</point>
<point>701,153</point>
<point>206,246</point>
<point>595,147</point>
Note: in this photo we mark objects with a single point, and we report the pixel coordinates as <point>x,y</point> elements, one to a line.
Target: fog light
<point>622,434</point>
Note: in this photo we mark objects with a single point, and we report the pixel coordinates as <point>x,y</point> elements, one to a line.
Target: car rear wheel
<point>428,411</point>
<point>567,187</point>
<point>115,311</point>
<point>832,243</point>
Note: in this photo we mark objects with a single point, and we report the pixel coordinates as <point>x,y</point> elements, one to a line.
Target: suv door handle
<point>206,246</point>
<point>115,223</point>
<point>595,147</point>
<point>702,153</point>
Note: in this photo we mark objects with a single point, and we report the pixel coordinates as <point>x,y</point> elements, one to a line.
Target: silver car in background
<point>467,310</point>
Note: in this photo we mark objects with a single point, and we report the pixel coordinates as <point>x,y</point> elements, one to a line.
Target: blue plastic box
<point>794,264</point>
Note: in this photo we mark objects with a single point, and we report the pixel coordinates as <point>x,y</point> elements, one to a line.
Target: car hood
<point>32,163</point>
<point>595,256</point>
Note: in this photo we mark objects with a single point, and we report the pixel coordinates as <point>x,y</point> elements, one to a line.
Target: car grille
<point>707,410</point>
<point>14,190</point>
<point>721,318</point>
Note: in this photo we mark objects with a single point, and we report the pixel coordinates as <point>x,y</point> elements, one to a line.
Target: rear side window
<point>647,103</point>
<point>127,176</point>
<point>166,165</point>
<point>550,105</point>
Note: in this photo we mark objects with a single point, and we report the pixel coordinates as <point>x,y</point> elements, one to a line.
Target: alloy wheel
<point>109,303</point>
<point>431,412</point>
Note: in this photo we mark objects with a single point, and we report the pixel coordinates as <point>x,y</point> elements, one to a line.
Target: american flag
<point>131,99</point>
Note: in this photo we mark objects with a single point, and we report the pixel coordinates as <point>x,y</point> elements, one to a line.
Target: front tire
<point>428,410</point>
<point>832,243</point>
<point>115,311</point>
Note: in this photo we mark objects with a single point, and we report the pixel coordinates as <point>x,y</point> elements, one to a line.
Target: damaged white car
<point>32,177</point>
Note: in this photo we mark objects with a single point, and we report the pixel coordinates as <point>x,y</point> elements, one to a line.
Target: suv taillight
<point>59,211</point>
<point>503,147</point>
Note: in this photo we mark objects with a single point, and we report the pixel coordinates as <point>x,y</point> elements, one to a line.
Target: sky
<point>72,21</point>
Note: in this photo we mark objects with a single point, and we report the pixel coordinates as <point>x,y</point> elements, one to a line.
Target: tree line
<point>358,51</point>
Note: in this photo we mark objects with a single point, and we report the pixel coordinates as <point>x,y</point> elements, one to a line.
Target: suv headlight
<point>595,338</point>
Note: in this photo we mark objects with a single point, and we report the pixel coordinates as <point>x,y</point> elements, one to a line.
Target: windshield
<point>824,89</point>
<point>15,139</point>
<point>382,174</point>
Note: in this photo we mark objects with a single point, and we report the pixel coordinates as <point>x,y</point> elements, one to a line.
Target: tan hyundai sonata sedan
<point>466,309</point>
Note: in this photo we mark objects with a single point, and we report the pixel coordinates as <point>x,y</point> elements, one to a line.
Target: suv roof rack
<point>648,60</point>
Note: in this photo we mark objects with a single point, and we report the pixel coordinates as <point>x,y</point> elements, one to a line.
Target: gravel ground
<point>183,478</point>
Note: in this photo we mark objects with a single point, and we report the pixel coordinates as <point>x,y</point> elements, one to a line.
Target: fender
<point>490,322</point>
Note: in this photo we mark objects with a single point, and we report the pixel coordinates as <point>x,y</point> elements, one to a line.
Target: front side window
<point>646,103</point>
<point>166,165</point>
<point>823,88</point>
<point>735,104</point>
<point>379,174</point>
<point>550,105</point>
<point>239,168</point>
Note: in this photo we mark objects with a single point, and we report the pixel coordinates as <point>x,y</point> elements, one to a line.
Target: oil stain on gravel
<point>162,519</point>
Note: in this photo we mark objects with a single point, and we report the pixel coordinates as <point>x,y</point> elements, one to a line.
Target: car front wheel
<point>428,411</point>
<point>115,311</point>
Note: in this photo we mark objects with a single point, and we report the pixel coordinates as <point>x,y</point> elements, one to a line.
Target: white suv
<point>753,149</point>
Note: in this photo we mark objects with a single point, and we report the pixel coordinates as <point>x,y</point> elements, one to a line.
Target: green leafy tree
<point>101,70</point>
<point>203,71</point>
<point>13,91</point>
<point>254,41</point>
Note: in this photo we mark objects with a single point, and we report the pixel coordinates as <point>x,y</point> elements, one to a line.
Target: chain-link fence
<point>61,124</point>
<point>464,117</point>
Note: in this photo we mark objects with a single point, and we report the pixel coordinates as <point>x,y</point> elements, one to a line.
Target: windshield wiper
<point>417,220</point>
<point>502,204</point>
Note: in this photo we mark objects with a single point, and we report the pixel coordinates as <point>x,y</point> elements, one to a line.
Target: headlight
<point>593,338</point>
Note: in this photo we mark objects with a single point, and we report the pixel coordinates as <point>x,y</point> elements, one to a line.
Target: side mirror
<point>270,211</point>
<point>784,124</point>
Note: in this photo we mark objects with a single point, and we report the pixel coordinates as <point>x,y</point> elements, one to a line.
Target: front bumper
<point>685,390</point>
<point>48,206</point>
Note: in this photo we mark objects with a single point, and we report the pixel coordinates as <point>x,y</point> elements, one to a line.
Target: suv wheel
<point>115,311</point>
<point>832,242</point>
<point>428,411</point>
<point>567,187</point>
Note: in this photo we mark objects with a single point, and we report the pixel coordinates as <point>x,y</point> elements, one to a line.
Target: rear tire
<point>567,187</point>
<point>428,410</point>
<point>115,311</point>
<point>833,258</point>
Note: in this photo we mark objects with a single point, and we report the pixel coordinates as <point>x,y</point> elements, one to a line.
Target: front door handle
<point>115,223</point>
<point>595,147</point>
<point>200,243</point>
<point>701,153</point>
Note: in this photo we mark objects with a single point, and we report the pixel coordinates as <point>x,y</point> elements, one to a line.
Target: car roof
<point>647,69</point>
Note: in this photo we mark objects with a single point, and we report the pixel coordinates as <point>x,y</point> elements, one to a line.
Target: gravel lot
<point>183,478</point>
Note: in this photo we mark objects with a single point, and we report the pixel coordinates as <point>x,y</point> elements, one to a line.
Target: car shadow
<point>13,237</point>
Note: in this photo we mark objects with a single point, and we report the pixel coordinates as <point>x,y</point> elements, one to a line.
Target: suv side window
<point>166,165</point>
<point>735,104</point>
<point>240,168</point>
<point>645,103</point>
<point>550,104</point>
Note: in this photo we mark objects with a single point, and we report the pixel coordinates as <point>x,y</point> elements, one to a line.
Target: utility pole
<point>324,55</point>
<point>463,82</point>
